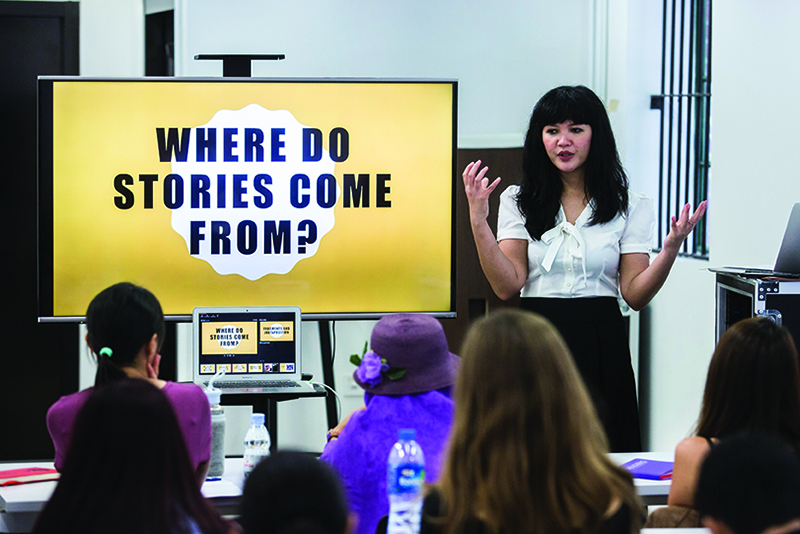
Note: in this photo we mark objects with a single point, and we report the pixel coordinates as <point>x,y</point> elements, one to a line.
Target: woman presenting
<point>571,238</point>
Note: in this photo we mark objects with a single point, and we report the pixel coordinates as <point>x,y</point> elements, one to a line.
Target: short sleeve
<point>639,226</point>
<point>510,222</point>
<point>60,420</point>
<point>203,451</point>
<point>58,433</point>
<point>194,416</point>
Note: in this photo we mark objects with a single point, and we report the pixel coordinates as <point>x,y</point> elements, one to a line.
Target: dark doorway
<point>159,44</point>
<point>39,362</point>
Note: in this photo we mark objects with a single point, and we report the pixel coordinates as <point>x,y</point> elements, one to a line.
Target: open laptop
<point>787,264</point>
<point>259,348</point>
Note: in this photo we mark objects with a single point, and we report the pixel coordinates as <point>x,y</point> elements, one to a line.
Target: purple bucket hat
<point>411,341</point>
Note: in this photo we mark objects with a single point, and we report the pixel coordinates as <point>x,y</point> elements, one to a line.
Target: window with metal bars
<point>685,105</point>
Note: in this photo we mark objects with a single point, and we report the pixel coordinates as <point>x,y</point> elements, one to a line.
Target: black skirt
<point>595,332</point>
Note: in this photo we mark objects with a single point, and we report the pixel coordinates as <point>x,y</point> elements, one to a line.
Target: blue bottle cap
<point>257,419</point>
<point>407,434</point>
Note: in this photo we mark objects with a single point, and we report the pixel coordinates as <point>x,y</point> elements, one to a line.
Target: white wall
<point>505,54</point>
<point>754,108</point>
<point>678,349</point>
<point>111,38</point>
<point>157,6</point>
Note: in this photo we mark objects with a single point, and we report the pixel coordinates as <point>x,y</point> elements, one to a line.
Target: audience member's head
<point>127,469</point>
<point>121,321</point>
<point>753,383</point>
<point>750,484</point>
<point>526,449</point>
<point>414,342</point>
<point>294,493</point>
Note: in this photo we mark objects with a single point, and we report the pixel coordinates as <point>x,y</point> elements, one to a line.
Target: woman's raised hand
<point>478,189</point>
<point>681,227</point>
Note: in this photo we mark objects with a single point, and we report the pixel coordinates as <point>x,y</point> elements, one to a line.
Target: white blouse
<point>579,260</point>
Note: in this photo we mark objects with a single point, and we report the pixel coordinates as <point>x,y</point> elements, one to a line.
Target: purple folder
<point>649,469</point>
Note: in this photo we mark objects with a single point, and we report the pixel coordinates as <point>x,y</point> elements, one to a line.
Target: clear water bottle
<point>217,465</point>
<point>256,443</point>
<point>404,483</point>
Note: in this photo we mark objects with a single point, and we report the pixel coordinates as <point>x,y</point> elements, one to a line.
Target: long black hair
<point>128,470</point>
<point>541,187</point>
<point>122,318</point>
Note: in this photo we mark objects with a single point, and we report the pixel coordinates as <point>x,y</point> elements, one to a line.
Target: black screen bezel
<point>44,216</point>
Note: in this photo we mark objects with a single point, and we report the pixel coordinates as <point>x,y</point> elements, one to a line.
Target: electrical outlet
<point>350,389</point>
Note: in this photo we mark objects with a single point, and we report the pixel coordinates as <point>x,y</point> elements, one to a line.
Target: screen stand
<point>239,66</point>
<point>327,370</point>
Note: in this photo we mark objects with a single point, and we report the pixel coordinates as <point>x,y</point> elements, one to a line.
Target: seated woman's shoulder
<point>695,447</point>
<point>185,388</point>
<point>689,456</point>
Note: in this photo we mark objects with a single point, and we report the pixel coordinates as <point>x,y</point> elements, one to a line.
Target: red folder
<point>26,475</point>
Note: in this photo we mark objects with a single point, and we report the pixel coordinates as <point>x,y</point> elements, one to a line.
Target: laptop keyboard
<point>257,384</point>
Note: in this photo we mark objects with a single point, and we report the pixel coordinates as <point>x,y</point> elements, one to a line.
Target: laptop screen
<point>255,343</point>
<point>788,260</point>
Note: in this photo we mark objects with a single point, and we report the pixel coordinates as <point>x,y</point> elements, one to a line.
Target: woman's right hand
<point>478,190</point>
<point>505,264</point>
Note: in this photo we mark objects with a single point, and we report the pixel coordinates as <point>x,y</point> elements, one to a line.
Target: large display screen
<point>333,195</point>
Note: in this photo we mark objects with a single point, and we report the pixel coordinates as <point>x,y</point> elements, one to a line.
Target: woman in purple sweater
<point>125,329</point>
<point>407,377</point>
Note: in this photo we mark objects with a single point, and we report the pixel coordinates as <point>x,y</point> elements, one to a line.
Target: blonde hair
<point>527,452</point>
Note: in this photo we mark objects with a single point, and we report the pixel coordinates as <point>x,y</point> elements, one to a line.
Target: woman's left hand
<point>683,225</point>
<point>640,280</point>
<point>335,431</point>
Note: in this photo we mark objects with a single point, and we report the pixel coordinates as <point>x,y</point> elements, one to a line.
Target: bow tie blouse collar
<point>567,235</point>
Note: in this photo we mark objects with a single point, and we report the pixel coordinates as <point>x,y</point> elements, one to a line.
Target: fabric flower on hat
<point>372,368</point>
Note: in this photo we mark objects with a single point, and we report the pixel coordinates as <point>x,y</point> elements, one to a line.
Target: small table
<point>652,492</point>
<point>266,403</point>
<point>20,505</point>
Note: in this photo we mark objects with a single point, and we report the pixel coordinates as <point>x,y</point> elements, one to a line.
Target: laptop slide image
<point>259,349</point>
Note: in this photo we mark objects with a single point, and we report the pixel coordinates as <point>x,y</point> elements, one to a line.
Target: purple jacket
<point>362,449</point>
<point>188,400</point>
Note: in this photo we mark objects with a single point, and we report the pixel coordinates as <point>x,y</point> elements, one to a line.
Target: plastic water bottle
<point>256,443</point>
<point>404,482</point>
<point>217,465</point>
